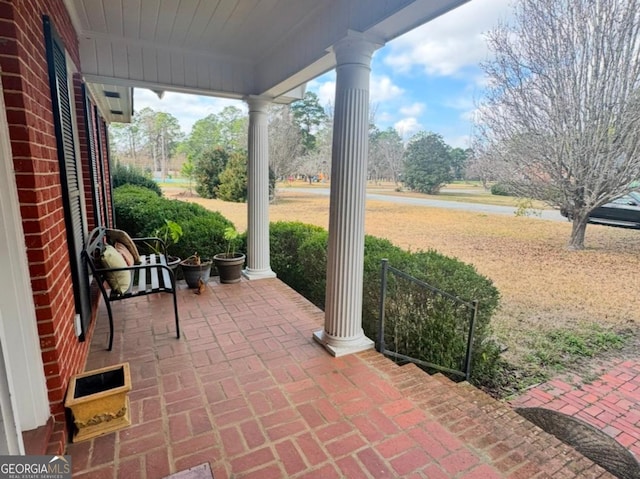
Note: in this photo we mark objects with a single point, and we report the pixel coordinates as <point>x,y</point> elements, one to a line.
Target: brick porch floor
<point>611,402</point>
<point>248,391</point>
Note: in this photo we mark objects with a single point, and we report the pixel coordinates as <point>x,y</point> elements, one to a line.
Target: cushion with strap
<point>119,236</point>
<point>120,281</point>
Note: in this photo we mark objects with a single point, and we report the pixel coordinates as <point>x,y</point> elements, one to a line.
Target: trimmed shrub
<point>128,175</point>
<point>286,239</point>
<point>502,189</point>
<point>140,213</point>
<point>313,262</point>
<point>204,235</point>
<point>299,257</point>
<point>431,326</point>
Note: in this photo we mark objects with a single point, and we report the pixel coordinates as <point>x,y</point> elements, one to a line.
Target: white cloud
<point>407,127</point>
<point>469,115</point>
<point>461,141</point>
<point>460,102</point>
<point>415,109</point>
<point>327,93</point>
<point>450,42</point>
<point>324,86</point>
<point>384,117</point>
<point>185,107</point>
<point>383,89</point>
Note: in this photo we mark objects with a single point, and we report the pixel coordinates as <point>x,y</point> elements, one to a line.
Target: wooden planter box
<point>99,401</point>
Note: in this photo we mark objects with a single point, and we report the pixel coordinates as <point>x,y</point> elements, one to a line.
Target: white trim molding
<point>18,329</point>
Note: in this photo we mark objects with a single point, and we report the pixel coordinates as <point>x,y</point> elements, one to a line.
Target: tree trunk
<point>163,160</point>
<point>578,229</point>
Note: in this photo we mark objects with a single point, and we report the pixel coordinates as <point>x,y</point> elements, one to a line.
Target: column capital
<point>356,47</point>
<point>257,102</point>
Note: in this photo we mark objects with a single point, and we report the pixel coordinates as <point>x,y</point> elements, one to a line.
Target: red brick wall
<point>27,97</point>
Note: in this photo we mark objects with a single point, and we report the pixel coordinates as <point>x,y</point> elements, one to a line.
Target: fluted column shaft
<point>343,332</point>
<point>258,255</point>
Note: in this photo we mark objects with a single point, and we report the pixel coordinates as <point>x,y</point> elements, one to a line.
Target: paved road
<point>552,215</point>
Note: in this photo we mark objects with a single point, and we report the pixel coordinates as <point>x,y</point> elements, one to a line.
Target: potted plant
<point>196,271</point>
<point>170,233</point>
<point>230,263</point>
<point>99,401</point>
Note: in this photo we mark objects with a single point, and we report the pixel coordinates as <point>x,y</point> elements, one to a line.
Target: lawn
<point>551,297</point>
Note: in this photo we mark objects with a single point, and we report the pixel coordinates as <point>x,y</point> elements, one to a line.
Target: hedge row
<point>141,212</point>
<point>299,254</point>
<point>127,175</point>
<point>419,323</point>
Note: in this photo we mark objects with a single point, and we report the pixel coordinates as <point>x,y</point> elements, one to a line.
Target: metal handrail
<point>381,347</point>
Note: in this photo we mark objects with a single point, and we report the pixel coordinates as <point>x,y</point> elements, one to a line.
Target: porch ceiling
<point>230,48</point>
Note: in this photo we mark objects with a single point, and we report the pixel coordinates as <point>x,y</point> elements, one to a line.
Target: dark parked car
<point>623,212</point>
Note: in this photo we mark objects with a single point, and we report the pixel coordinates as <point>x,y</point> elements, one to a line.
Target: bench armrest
<point>148,241</point>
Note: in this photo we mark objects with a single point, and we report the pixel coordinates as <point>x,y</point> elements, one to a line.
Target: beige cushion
<point>120,281</point>
<point>119,236</point>
<point>126,254</point>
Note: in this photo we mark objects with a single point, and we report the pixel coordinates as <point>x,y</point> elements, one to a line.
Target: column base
<point>341,347</point>
<point>252,274</point>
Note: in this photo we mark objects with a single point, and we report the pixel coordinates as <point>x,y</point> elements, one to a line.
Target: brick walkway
<point>248,391</point>
<point>611,403</point>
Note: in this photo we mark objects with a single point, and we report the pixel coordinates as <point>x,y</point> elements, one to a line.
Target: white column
<point>258,257</point>
<point>342,333</point>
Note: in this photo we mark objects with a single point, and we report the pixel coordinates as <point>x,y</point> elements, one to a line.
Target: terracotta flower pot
<point>193,273</point>
<point>229,266</point>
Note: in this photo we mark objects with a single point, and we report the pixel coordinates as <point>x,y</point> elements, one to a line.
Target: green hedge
<point>287,255</point>
<point>299,257</point>
<point>502,189</point>
<point>141,212</point>
<point>127,175</point>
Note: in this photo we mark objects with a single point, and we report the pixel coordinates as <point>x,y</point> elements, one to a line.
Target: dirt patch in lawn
<point>544,287</point>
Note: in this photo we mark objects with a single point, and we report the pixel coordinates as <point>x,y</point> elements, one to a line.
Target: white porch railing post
<point>258,255</point>
<point>342,333</point>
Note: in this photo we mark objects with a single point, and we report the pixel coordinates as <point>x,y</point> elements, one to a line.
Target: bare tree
<point>386,155</point>
<point>562,110</point>
<point>317,163</point>
<point>285,141</point>
<point>481,166</point>
<point>125,140</point>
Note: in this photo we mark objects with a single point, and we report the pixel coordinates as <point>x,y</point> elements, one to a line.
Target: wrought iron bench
<point>151,276</point>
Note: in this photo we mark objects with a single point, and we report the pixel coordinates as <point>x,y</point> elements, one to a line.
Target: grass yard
<point>557,306</point>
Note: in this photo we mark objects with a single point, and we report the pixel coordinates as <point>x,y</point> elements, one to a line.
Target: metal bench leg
<point>108,303</point>
<point>175,310</point>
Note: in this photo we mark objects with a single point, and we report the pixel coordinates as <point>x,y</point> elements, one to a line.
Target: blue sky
<point>427,79</point>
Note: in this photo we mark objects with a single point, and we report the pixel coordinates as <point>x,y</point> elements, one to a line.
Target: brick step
<point>36,440</point>
<point>58,439</point>
<point>46,440</point>
<point>488,426</point>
